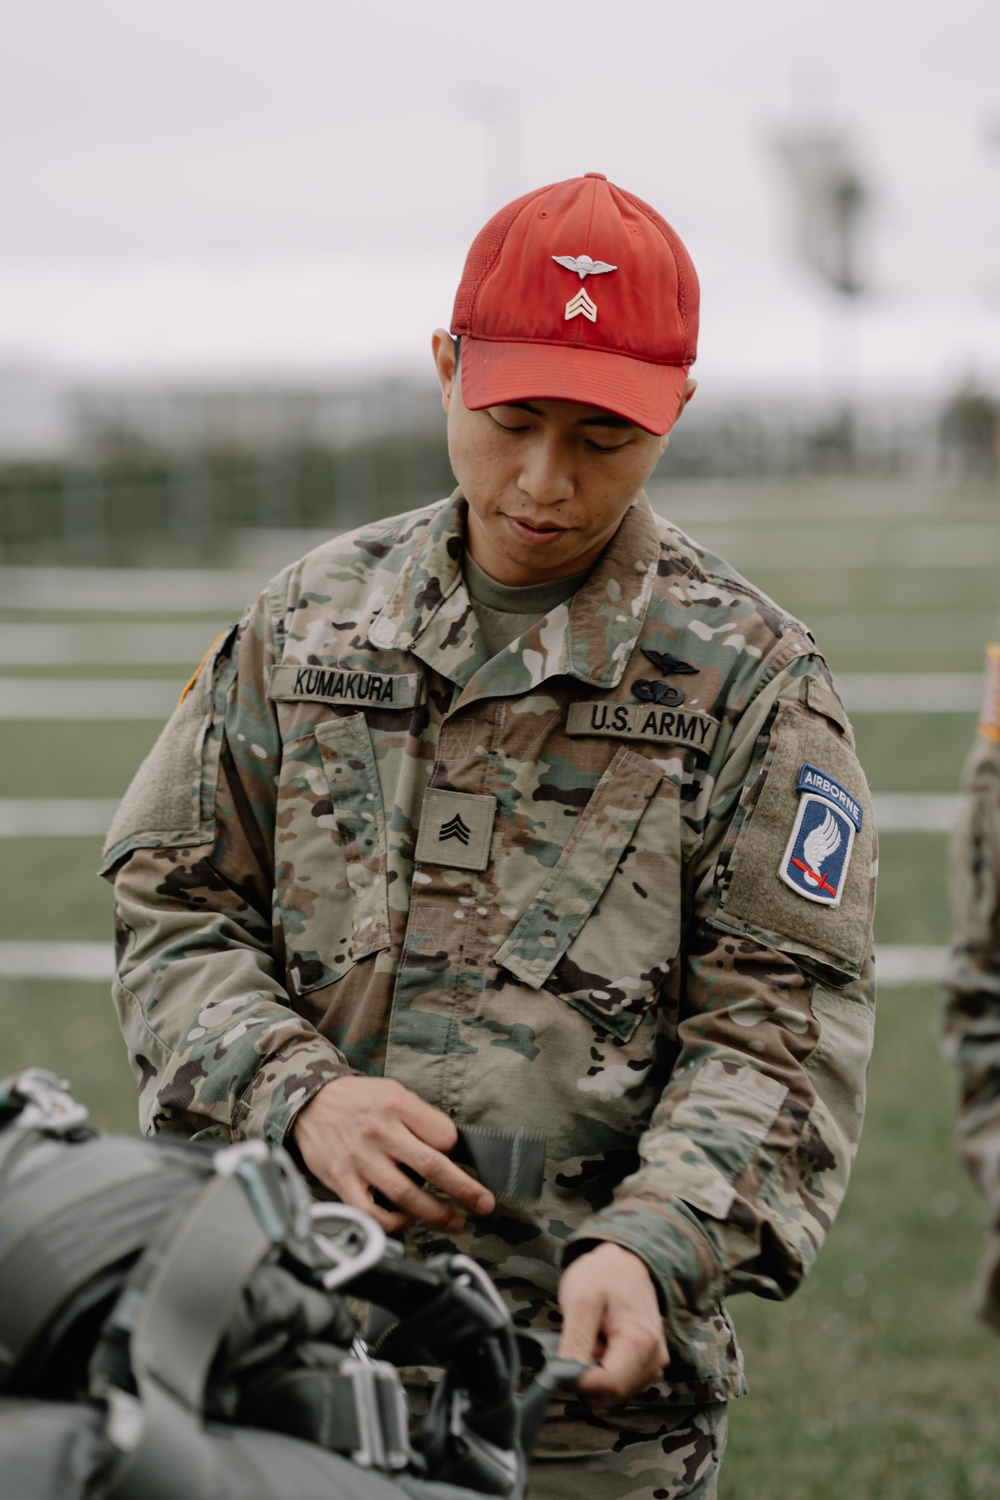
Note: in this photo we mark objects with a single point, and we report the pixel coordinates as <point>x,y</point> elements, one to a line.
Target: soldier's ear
<point>443,346</point>
<point>690,386</point>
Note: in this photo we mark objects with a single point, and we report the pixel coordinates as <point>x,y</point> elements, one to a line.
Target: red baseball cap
<point>579,292</point>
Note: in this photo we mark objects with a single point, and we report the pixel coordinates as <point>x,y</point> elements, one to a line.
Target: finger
<point>580,1337</point>
<point>355,1193</point>
<point>442,1173</point>
<point>411,1198</point>
<point>391,1220</point>
<point>427,1123</point>
<point>628,1364</point>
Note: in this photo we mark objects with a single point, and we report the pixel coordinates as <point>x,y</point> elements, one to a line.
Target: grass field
<point>874,1382</point>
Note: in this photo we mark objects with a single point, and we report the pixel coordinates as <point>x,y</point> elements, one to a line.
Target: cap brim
<point>494,373</point>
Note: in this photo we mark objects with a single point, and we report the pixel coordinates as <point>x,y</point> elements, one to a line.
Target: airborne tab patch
<point>343,685</point>
<point>819,850</point>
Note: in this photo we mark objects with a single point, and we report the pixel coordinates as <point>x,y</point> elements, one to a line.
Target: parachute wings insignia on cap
<point>584,265</point>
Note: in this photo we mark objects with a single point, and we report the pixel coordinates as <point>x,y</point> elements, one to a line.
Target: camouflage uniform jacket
<point>972,980</point>
<point>540,890</point>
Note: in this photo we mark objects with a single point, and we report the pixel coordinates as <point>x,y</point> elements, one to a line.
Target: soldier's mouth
<point>537,534</point>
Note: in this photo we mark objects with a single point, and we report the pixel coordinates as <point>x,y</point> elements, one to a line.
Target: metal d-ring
<point>360,1246</point>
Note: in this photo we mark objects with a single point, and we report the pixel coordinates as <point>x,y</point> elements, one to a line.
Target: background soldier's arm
<point>972,981</point>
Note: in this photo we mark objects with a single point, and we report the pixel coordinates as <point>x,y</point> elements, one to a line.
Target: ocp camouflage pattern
<point>618,973</point>
<point>972,987</point>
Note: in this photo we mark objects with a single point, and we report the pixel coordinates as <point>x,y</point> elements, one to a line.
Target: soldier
<point>511,859</point>
<point>972,981</point>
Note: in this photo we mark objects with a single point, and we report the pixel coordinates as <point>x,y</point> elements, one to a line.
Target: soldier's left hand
<point>611,1315</point>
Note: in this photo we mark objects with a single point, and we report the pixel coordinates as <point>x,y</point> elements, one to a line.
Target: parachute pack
<point>174,1325</point>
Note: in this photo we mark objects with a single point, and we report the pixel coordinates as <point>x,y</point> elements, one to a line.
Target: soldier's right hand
<point>362,1135</point>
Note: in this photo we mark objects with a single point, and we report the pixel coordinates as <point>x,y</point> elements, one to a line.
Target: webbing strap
<point>87,1170</point>
<point>189,1303</point>
<point>44,1270</point>
<point>90,1168</point>
<point>14,1141</point>
<point>511,1163</point>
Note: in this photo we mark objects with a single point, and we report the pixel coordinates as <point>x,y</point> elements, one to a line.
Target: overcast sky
<point>231,187</point>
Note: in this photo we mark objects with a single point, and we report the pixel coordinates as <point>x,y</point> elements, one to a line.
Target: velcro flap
<point>777,890</point>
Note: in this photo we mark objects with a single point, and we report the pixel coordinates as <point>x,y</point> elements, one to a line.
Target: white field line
<point>105,645</point>
<point>87,698</point>
<point>55,817</point>
<point>57,960</point>
<point>71,817</point>
<point>916,812</point>
<point>211,591</point>
<point>139,698</point>
<point>910,692</point>
<point>802,548</point>
<point>894,965</point>
<point>694,503</point>
<point>897,964</point>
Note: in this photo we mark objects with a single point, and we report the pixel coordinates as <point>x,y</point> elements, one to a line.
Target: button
<point>599,175</point>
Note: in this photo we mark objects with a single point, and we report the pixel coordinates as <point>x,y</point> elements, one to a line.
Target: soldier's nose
<point>546,479</point>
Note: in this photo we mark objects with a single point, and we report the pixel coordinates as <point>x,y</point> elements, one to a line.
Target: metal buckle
<point>50,1105</point>
<point>467,1272</point>
<point>359,1245</point>
<point>381,1412</point>
<point>247,1161</point>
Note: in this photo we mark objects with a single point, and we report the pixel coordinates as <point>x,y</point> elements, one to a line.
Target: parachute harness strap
<point>31,1285</point>
<point>234,1224</point>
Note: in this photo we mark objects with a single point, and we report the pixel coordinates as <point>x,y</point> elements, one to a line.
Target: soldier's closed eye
<point>509,426</point>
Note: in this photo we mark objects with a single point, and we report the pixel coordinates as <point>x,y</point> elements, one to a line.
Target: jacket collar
<point>590,637</point>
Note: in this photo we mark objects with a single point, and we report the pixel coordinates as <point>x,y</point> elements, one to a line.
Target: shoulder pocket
<point>605,924</point>
<point>829,918</point>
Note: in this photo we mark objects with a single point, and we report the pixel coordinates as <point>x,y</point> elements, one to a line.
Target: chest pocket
<point>604,926</point>
<point>330,852</point>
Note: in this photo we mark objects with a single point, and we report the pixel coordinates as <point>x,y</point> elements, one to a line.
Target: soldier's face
<point>547,482</point>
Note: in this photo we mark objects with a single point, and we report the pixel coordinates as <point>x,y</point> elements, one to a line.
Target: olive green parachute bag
<point>174,1326</point>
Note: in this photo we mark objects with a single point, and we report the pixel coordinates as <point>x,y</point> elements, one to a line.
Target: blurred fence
<point>122,508</point>
<point>140,475</point>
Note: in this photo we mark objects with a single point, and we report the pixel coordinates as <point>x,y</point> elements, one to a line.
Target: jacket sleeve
<point>746,1157</point>
<point>200,991</point>
<point>972,993</point>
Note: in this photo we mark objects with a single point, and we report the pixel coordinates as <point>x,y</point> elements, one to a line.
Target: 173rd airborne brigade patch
<point>818,852</point>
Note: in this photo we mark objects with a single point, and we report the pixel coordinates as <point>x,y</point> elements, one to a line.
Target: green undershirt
<point>505,613</point>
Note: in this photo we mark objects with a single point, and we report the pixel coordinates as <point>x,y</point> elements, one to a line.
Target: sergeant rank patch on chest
<point>819,850</point>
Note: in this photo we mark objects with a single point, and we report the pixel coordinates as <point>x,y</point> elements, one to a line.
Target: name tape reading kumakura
<point>343,685</point>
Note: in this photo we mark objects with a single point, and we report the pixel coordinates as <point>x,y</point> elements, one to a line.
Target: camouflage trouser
<point>678,1460</point>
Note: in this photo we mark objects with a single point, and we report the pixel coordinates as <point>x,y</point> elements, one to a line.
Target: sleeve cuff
<point>283,1085</point>
<point>681,1258</point>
